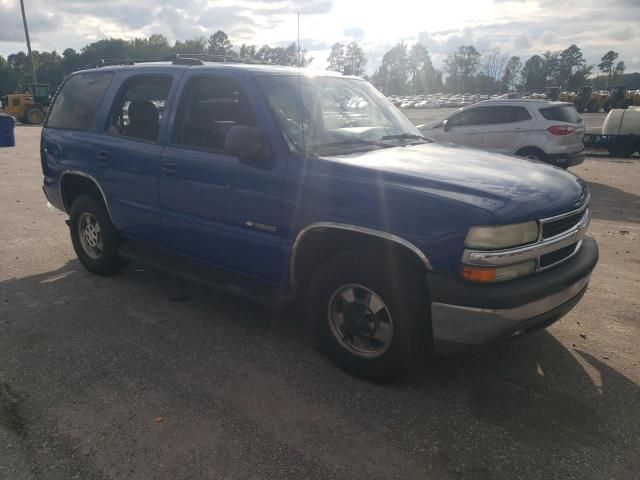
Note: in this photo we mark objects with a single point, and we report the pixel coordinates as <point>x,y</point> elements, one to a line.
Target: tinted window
<point>473,116</point>
<point>76,103</point>
<point>210,108</point>
<point>561,113</point>
<point>139,106</point>
<point>506,114</point>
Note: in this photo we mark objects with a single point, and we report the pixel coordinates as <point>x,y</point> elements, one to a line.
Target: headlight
<point>501,236</point>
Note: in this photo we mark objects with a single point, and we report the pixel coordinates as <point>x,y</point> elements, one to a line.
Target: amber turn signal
<point>479,274</point>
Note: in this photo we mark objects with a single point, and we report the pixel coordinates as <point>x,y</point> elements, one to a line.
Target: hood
<point>512,189</point>
<point>429,125</point>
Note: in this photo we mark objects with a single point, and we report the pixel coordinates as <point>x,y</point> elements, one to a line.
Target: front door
<point>215,208</point>
<point>465,128</point>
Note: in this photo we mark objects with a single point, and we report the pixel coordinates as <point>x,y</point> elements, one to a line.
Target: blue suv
<point>276,182</point>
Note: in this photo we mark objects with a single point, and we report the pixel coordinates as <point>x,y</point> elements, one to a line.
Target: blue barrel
<point>7,136</point>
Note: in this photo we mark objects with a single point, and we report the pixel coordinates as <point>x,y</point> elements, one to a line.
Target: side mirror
<point>246,143</point>
<point>446,126</point>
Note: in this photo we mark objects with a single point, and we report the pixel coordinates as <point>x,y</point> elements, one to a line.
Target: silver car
<point>548,131</point>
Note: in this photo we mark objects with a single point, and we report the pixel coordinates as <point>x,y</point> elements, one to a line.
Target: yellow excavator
<point>28,107</point>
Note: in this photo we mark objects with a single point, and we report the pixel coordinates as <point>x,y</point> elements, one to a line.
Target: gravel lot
<point>149,376</point>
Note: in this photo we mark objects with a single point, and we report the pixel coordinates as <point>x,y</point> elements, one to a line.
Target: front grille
<point>557,256</point>
<point>556,227</point>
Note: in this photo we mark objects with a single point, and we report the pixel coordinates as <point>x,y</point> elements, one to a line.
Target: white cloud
<point>518,27</point>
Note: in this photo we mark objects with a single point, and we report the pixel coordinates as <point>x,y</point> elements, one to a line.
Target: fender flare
<point>351,228</point>
<point>67,208</point>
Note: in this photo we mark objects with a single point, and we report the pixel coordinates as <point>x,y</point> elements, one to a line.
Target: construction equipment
<point>30,106</point>
<point>586,100</point>
<point>620,133</point>
<point>552,93</point>
<point>618,98</point>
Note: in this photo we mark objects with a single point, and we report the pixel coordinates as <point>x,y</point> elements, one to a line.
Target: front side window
<point>76,104</point>
<point>139,106</point>
<point>323,114</point>
<point>210,108</point>
<point>467,118</point>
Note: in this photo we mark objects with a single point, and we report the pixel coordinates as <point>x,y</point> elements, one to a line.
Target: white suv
<point>536,129</point>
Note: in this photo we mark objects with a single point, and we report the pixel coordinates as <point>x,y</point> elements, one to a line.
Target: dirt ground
<point>149,376</point>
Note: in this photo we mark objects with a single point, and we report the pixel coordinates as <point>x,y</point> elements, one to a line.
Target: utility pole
<point>26,33</point>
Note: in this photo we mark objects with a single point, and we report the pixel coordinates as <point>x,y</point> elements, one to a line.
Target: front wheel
<point>370,317</point>
<point>95,239</point>
<point>34,116</point>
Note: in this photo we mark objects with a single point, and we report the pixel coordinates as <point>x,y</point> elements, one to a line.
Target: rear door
<point>465,128</point>
<point>215,208</point>
<point>127,153</point>
<point>508,128</point>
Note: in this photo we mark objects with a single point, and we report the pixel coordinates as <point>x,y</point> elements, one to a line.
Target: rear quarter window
<point>561,113</point>
<point>76,104</point>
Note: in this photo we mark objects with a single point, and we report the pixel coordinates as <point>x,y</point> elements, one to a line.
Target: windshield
<point>333,114</point>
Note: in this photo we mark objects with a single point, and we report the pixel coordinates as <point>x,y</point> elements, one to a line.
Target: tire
<point>96,247</point>
<point>622,149</point>
<point>532,153</point>
<point>355,275</point>
<point>34,116</point>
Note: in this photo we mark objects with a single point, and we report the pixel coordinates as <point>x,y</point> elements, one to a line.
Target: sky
<point>516,27</point>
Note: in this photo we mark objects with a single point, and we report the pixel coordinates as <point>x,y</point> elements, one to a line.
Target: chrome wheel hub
<point>90,235</point>
<point>360,321</point>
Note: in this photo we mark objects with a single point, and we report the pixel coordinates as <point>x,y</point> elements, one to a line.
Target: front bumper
<point>465,313</point>
<point>566,159</point>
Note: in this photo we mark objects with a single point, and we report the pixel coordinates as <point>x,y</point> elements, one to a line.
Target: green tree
<point>534,75</point>
<point>570,61</point>
<point>219,44</point>
<point>510,73</point>
<point>355,60</point>
<point>460,65</point>
<point>423,77</point>
<point>607,63</point>
<point>336,58</point>
<point>392,75</point>
<point>194,45</point>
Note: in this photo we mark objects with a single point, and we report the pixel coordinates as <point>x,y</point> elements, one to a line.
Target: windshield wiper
<point>405,136</point>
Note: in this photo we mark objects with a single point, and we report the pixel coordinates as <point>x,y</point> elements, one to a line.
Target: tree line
<point>52,68</point>
<point>404,69</point>
<point>408,70</point>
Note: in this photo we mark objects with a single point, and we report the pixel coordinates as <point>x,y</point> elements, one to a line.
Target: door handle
<point>169,168</point>
<point>103,158</point>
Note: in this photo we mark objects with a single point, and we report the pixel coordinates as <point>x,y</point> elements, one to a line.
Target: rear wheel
<point>34,116</point>
<point>532,153</point>
<point>369,319</point>
<point>95,239</point>
<point>622,148</point>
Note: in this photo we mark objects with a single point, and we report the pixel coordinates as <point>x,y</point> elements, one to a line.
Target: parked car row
<point>438,100</point>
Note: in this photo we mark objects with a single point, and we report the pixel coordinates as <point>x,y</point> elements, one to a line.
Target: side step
<point>199,272</point>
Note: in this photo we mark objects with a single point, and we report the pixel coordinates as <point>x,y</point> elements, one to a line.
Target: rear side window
<point>506,114</point>
<point>139,106</point>
<point>561,113</point>
<point>77,102</point>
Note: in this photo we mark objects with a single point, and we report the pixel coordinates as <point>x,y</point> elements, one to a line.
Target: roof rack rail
<point>177,59</point>
<point>105,62</point>
<point>211,57</point>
